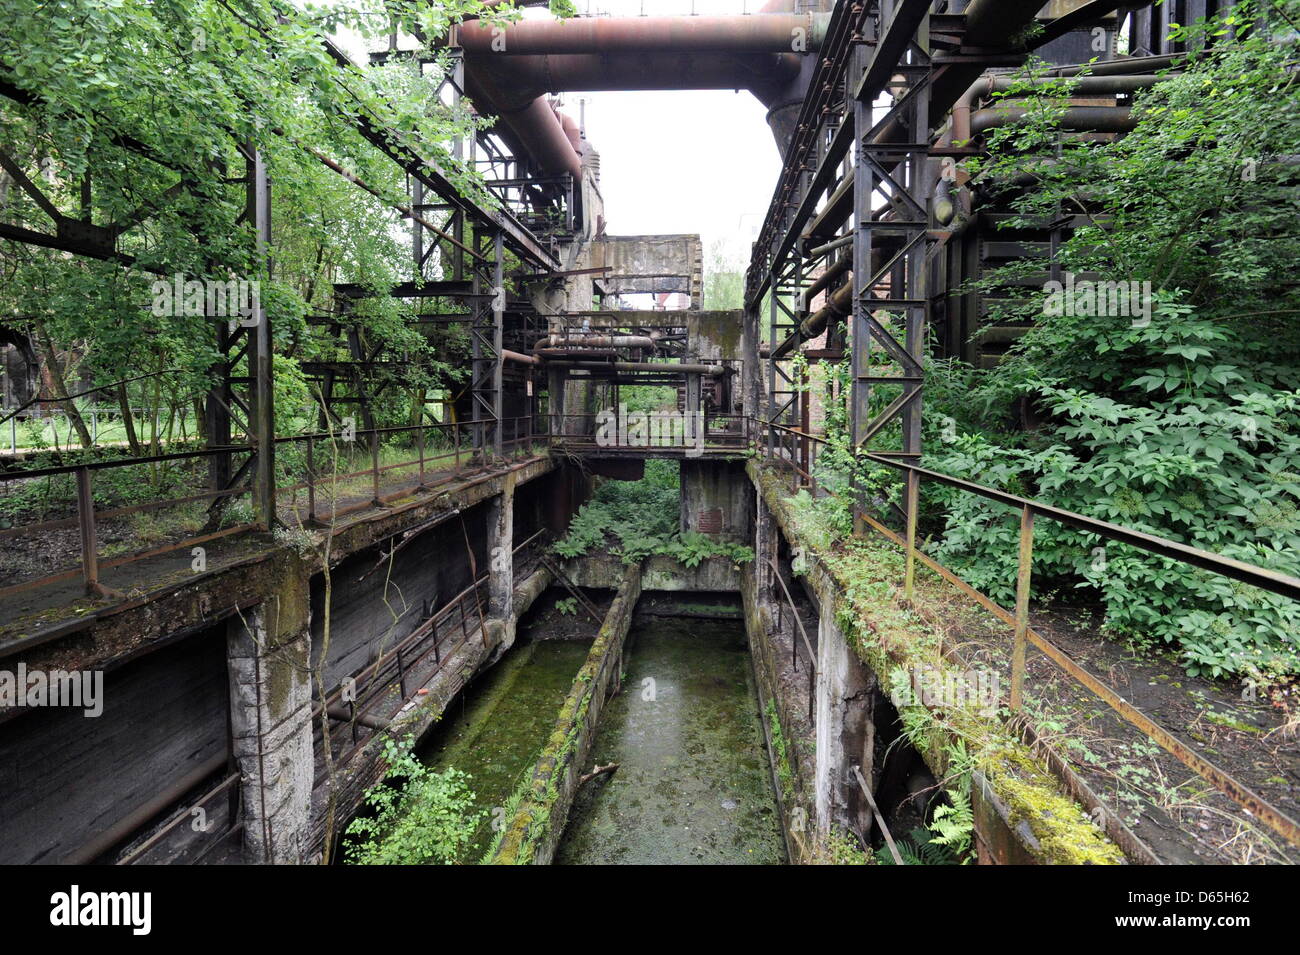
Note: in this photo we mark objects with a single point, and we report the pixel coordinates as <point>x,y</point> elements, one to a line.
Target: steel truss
<point>241,403</point>
<point>854,199</point>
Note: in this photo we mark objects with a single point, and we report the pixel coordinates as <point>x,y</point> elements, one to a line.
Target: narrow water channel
<point>693,784</point>
<point>495,731</point>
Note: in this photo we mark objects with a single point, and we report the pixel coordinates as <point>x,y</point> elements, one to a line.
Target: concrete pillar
<point>268,652</point>
<point>766,542</point>
<point>555,382</point>
<point>752,381</point>
<point>844,729</point>
<point>715,499</point>
<point>501,542</point>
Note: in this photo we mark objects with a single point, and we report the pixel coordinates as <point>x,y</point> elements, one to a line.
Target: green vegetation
<point>919,847</point>
<point>1181,423</point>
<point>417,816</point>
<point>639,519</point>
<point>141,114</point>
<point>785,774</point>
<point>896,639</point>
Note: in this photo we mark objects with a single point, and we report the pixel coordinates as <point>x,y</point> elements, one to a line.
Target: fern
<point>638,519</point>
<point>919,847</point>
<point>953,825</point>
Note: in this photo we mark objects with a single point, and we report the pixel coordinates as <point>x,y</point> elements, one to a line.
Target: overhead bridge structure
<point>211,641</point>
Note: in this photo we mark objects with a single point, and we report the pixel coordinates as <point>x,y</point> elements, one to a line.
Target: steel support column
<point>261,385</point>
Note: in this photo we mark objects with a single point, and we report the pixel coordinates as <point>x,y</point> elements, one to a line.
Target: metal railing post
<point>1022,605</point>
<point>86,522</point>
<point>913,493</point>
<point>419,443</point>
<point>311,481</point>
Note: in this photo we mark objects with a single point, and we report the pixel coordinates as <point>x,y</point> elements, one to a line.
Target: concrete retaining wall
<point>533,831</point>
<point>713,575</point>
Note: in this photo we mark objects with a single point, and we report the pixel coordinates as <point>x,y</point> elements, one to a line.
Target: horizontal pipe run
<point>342,714</point>
<point>1083,119</point>
<point>1087,85</point>
<point>665,367</point>
<point>761,33</point>
<point>663,70</point>
<point>129,823</point>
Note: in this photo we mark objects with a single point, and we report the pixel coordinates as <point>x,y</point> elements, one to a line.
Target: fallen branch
<point>598,771</point>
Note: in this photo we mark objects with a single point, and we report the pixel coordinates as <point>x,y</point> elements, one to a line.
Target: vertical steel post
<point>262,417</point>
<point>913,492</point>
<point>374,466</point>
<point>498,325</point>
<point>86,523</point>
<point>1023,576</point>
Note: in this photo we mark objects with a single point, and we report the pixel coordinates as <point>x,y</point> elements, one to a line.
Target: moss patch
<point>861,577</point>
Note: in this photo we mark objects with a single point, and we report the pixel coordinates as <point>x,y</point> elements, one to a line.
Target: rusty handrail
<point>812,656</point>
<point>1024,634</point>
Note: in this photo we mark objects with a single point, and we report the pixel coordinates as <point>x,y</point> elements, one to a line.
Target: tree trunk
<point>124,403</point>
<point>60,386</point>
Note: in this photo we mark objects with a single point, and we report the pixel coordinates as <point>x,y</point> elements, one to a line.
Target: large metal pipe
<point>646,54</point>
<point>662,70</point>
<point>995,23</point>
<point>600,341</point>
<point>833,272</point>
<point>541,131</point>
<point>986,86</point>
<point>763,33</point>
<point>666,367</point>
<point>1088,119</point>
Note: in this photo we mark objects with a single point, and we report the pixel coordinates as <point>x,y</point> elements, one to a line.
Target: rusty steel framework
<point>854,217</point>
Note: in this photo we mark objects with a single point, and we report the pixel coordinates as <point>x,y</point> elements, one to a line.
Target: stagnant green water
<point>693,784</point>
<point>498,727</point>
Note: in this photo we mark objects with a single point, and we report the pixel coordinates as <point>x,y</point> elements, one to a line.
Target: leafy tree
<point>427,819</point>
<point>1183,425</point>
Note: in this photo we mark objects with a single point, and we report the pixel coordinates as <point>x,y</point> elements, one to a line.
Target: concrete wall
<point>605,572</point>
<point>532,834</point>
<point>66,779</point>
<point>717,500</point>
<point>208,673</point>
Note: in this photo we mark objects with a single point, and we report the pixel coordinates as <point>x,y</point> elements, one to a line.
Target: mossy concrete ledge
<point>533,829</point>
<point>658,573</point>
<point>1023,814</point>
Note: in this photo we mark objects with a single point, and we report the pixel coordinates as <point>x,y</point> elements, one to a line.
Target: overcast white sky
<point>698,161</point>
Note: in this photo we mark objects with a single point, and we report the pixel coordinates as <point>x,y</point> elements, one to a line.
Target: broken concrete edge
<point>538,810</point>
<point>188,601</point>
<point>793,776</point>
<point>658,573</point>
<point>1023,812</point>
<point>422,710</point>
